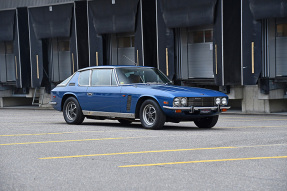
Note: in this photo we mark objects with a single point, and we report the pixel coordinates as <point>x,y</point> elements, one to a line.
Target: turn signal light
<point>223,110</point>
<point>178,111</point>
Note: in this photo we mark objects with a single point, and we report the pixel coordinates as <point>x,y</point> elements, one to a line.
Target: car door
<point>103,95</point>
<point>80,90</point>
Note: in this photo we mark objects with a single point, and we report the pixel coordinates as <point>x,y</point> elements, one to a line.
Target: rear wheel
<point>151,115</point>
<point>72,111</point>
<point>206,122</point>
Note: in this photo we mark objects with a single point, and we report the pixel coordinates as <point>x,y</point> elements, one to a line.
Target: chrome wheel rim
<point>149,114</point>
<point>71,111</point>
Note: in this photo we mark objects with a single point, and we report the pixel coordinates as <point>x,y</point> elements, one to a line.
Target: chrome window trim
<point>142,83</point>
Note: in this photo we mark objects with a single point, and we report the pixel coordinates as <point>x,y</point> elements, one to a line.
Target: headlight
<point>176,102</point>
<point>217,101</point>
<point>224,101</point>
<point>180,102</point>
<point>183,101</point>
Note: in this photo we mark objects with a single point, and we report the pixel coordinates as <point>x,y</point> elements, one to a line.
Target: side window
<point>66,81</point>
<point>84,78</point>
<point>103,77</point>
<point>114,82</point>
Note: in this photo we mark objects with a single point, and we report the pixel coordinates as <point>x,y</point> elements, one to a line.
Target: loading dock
<point>55,51</point>
<point>14,48</point>
<point>115,34</point>
<point>119,35</point>
<point>235,46</point>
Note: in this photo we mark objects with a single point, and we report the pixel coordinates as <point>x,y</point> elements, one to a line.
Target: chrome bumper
<point>52,103</point>
<point>191,109</point>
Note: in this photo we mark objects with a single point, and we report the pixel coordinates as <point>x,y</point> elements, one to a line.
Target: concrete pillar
<point>1,102</point>
<point>251,103</point>
<point>255,102</point>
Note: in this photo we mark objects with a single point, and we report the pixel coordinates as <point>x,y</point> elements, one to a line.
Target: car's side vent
<point>71,84</point>
<point>129,102</point>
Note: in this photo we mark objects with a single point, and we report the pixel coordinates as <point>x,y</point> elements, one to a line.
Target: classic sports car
<point>127,93</point>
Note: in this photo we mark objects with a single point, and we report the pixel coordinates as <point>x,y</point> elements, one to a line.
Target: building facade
<point>237,46</point>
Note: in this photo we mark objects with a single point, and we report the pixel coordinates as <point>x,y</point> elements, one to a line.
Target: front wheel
<point>206,122</point>
<point>151,115</point>
<point>72,111</point>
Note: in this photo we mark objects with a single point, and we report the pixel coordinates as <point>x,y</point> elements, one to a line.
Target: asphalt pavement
<point>39,151</point>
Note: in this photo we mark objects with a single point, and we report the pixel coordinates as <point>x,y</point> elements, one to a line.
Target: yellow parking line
<point>59,133</point>
<point>257,120</point>
<point>159,151</point>
<point>80,140</point>
<point>203,161</point>
<point>140,152</point>
<point>73,132</point>
<point>270,126</point>
<point>18,135</point>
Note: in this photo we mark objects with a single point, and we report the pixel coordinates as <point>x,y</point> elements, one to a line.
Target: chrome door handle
<point>89,94</point>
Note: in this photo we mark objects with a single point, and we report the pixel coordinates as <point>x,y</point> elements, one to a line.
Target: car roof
<point>113,66</point>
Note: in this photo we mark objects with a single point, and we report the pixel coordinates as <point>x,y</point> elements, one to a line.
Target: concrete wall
<point>253,101</point>
<point>15,101</point>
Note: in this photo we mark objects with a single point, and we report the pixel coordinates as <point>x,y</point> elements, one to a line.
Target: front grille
<point>200,101</point>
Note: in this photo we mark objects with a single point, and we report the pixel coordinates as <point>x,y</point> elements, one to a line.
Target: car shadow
<point>137,125</point>
<point>113,124</point>
<point>181,128</point>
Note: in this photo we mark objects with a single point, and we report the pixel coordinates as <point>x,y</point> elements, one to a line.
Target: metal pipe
<point>97,59</point>
<point>137,57</point>
<point>73,63</point>
<point>215,50</point>
<point>252,57</point>
<point>16,69</point>
<point>37,60</point>
<point>166,61</point>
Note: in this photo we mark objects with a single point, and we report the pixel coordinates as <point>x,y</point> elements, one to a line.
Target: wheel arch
<point>65,97</point>
<point>140,102</point>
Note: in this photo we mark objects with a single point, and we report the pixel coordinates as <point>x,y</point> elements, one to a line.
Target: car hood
<point>184,91</point>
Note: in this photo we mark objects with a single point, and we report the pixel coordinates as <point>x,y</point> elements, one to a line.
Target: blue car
<point>128,93</point>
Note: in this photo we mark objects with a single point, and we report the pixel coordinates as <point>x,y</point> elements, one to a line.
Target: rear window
<point>84,78</point>
<point>66,81</point>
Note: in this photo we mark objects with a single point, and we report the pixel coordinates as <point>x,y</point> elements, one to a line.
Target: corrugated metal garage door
<point>7,62</point>
<point>123,50</point>
<point>2,62</point>
<point>60,59</point>
<point>126,50</point>
<point>200,54</point>
<point>281,50</point>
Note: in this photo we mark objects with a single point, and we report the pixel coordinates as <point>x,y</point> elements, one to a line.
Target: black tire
<point>206,122</point>
<point>72,111</point>
<point>124,121</point>
<point>151,115</point>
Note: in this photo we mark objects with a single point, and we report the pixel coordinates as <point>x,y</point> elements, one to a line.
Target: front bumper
<point>191,109</point>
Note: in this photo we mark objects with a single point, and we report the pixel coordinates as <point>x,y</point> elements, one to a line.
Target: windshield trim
<point>160,74</point>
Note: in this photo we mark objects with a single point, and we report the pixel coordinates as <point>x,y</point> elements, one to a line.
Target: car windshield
<point>141,75</point>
